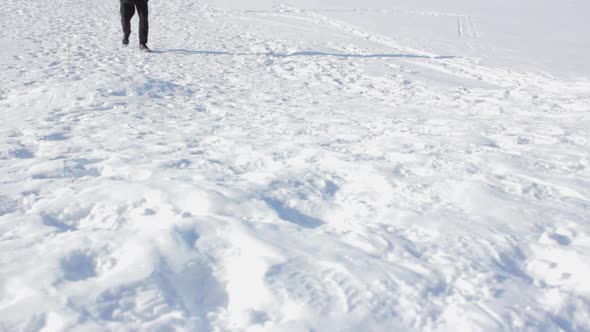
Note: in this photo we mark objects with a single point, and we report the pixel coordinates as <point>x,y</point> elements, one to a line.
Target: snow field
<point>285,169</point>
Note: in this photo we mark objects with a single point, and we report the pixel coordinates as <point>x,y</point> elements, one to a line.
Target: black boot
<point>144,47</point>
<point>125,40</point>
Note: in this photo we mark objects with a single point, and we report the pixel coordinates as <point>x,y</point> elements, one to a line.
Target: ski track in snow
<point>465,27</point>
<point>231,181</point>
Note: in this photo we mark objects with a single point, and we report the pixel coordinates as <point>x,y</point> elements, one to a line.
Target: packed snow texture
<point>348,165</point>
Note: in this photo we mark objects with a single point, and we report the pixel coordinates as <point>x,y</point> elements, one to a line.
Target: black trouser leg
<point>142,11</point>
<point>127,12</point>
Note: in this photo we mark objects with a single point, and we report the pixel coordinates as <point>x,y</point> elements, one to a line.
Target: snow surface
<point>300,166</point>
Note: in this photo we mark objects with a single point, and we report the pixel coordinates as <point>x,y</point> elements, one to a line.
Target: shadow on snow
<point>293,215</point>
<point>305,53</point>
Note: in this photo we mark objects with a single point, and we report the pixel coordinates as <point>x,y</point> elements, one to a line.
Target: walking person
<point>127,11</point>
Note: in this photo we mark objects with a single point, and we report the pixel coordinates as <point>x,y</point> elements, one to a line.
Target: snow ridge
<point>285,169</point>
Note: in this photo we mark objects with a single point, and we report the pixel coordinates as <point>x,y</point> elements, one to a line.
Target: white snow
<point>296,166</point>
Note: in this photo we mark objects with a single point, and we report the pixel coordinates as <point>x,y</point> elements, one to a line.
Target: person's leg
<point>127,12</point>
<point>142,11</point>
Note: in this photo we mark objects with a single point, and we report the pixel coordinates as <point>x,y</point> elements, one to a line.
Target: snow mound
<point>306,166</point>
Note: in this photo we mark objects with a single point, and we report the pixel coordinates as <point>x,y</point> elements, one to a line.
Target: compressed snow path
<point>292,168</point>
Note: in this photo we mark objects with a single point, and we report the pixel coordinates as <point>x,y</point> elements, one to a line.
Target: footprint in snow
<point>55,137</point>
<point>78,266</point>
